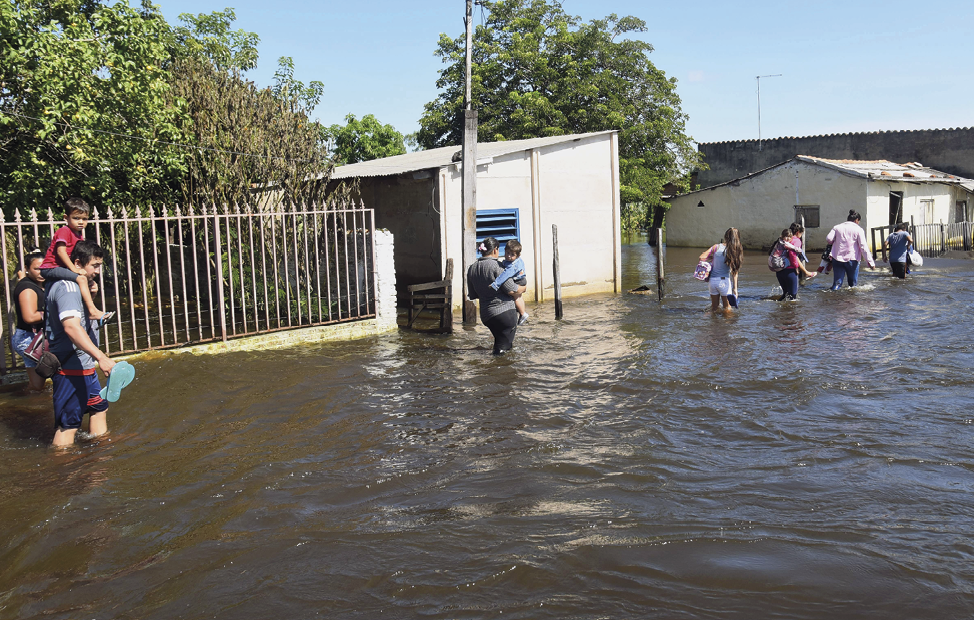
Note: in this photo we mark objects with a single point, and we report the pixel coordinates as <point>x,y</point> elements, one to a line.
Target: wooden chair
<point>433,296</point>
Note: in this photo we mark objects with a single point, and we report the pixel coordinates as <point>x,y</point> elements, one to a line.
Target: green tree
<point>209,35</point>
<point>83,104</point>
<point>249,138</point>
<point>363,140</point>
<point>541,72</point>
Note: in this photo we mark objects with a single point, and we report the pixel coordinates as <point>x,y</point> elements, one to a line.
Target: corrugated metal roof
<point>876,170</point>
<point>880,168</point>
<point>436,158</point>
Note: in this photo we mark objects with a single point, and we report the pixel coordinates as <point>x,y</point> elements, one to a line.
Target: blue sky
<point>846,66</point>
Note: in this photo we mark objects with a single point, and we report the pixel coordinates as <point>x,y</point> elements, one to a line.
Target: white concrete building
<point>523,187</point>
<point>761,204</point>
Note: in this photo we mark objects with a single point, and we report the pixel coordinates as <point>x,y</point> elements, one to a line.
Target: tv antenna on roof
<point>759,104</point>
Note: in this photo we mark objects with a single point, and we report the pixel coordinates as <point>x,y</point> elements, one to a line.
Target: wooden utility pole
<point>469,182</point>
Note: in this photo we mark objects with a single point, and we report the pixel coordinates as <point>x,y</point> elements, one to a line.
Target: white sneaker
<point>523,319</point>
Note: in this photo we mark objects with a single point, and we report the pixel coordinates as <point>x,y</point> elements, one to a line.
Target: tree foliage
<point>76,80</point>
<point>250,138</point>
<point>363,140</point>
<point>113,104</point>
<point>540,72</point>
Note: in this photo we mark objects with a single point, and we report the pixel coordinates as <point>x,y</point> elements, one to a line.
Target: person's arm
<point>508,273</point>
<point>861,241</point>
<point>471,292</point>
<point>830,238</point>
<point>735,282</point>
<point>77,335</point>
<point>28,307</point>
<point>709,254</point>
<point>520,291</point>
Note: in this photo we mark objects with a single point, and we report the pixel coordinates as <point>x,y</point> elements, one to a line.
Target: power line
<point>153,140</point>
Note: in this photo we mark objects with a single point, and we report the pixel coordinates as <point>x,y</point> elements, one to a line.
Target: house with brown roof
<point>822,191</point>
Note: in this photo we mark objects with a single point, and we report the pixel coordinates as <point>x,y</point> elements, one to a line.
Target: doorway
<point>895,208</point>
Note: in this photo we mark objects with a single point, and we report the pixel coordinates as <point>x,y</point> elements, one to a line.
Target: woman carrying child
<point>497,310</point>
<point>726,258</point>
<point>788,277</point>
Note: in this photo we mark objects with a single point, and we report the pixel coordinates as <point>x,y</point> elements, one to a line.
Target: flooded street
<point>809,459</point>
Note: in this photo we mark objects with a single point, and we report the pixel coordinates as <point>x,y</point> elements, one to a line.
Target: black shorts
<point>899,269</point>
<point>521,281</point>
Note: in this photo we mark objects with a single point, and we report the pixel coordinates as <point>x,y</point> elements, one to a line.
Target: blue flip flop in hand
<point>121,376</point>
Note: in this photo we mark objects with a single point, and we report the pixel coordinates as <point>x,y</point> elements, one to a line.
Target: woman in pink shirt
<point>849,247</point>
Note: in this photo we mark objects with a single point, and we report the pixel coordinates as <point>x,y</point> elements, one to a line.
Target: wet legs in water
<point>849,270</point>
<point>788,279</point>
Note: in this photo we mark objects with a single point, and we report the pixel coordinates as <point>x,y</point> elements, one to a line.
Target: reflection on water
<point>807,459</point>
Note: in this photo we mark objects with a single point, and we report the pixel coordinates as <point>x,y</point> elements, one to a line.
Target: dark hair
<point>796,228</point>
<point>853,216</point>
<point>733,251</point>
<point>489,244</point>
<point>73,204</point>
<point>514,246</point>
<point>30,258</point>
<point>86,250</point>
<point>786,233</point>
<point>900,226</point>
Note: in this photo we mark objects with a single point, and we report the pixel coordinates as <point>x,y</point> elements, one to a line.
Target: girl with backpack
<point>726,258</point>
<point>786,265</point>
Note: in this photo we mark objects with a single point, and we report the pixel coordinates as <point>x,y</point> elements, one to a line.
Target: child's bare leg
<point>521,308</point>
<point>93,310</point>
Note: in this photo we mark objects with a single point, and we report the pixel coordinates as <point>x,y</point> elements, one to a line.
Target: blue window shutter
<point>501,224</point>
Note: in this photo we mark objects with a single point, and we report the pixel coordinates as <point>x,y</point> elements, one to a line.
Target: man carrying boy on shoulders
<point>73,338</point>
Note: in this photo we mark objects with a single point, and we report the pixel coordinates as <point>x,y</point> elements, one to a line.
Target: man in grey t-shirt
<point>74,340</point>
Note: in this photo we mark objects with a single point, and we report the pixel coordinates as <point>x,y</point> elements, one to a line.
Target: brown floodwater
<point>809,459</point>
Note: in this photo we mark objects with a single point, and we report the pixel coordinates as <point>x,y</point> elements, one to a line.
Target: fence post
<point>556,265</point>
<point>218,253</point>
<point>6,318</point>
<point>660,278</point>
<point>943,239</point>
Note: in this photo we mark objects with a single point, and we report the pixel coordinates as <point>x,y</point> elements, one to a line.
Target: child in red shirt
<point>57,263</point>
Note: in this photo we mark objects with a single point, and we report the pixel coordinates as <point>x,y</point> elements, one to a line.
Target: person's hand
<point>93,286</point>
<point>811,274</point>
<point>106,366</point>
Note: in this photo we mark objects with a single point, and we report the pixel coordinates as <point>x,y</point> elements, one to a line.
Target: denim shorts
<point>20,339</point>
<point>721,286</point>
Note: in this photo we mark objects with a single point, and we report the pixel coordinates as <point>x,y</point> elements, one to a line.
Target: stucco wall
<point>948,150</point>
<point>571,185</point>
<point>760,207</point>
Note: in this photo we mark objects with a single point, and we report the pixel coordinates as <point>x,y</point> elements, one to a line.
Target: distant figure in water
<point>898,244</point>
<point>726,258</point>
<point>788,277</point>
<point>497,310</point>
<point>849,247</point>
<point>797,240</point>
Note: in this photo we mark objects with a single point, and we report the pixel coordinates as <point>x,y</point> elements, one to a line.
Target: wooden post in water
<point>660,279</point>
<point>557,272</point>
